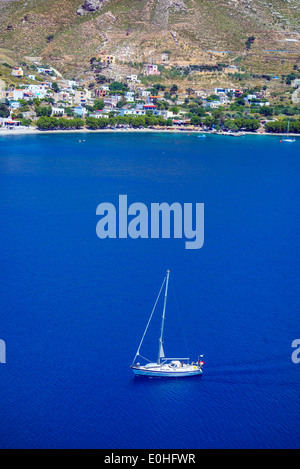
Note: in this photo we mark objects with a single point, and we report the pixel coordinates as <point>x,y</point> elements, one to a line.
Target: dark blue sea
<point>73,307</point>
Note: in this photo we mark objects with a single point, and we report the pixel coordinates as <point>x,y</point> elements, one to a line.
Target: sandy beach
<point>35,131</point>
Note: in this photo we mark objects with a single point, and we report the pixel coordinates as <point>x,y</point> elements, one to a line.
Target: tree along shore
<point>209,123</point>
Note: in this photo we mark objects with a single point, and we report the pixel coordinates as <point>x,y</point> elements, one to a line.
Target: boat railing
<point>169,359</point>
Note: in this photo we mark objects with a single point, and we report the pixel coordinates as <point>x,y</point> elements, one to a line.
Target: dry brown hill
<point>190,31</point>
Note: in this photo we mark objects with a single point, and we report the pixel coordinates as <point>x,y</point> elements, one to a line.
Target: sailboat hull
<point>140,371</point>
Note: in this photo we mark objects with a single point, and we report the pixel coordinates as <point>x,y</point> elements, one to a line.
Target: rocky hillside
<point>67,33</point>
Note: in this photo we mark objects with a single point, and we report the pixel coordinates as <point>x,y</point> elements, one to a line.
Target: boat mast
<point>160,347</point>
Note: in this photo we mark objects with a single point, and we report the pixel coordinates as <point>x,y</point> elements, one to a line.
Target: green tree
<point>101,79</point>
<point>118,86</point>
<point>198,111</point>
<point>121,103</point>
<point>26,122</point>
<point>63,123</point>
<point>159,87</point>
<point>138,122</point>
<point>150,120</point>
<point>280,127</point>
<point>249,42</point>
<point>92,123</point>
<point>43,111</point>
<point>98,104</point>
<point>252,125</point>
<point>208,121</point>
<point>4,111</point>
<point>212,97</point>
<point>77,123</point>
<point>55,87</point>
<point>196,120</point>
<point>46,123</point>
<point>266,111</point>
<point>50,38</point>
<point>174,109</point>
<point>103,123</point>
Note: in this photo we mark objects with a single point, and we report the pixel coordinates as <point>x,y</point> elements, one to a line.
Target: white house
<point>80,111</point>
<point>129,96</point>
<point>250,97</point>
<point>72,83</point>
<point>63,97</point>
<point>99,115</point>
<point>112,101</point>
<point>212,104</point>
<point>40,91</point>
<point>224,99</point>
<point>165,114</point>
<point>132,112</point>
<point>132,78</point>
<point>58,111</point>
<point>219,90</point>
<point>80,98</point>
<point>9,123</point>
<point>17,72</point>
<point>201,93</point>
<point>18,94</point>
<point>46,71</point>
<point>14,105</point>
<point>151,69</point>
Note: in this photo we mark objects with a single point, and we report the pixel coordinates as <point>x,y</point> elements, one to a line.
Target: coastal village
<point>43,99</point>
<point>166,64</point>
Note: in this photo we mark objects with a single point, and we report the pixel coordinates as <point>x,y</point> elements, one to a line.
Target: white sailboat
<point>287,139</point>
<point>165,367</point>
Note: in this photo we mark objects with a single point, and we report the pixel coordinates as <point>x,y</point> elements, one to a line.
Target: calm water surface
<point>73,307</point>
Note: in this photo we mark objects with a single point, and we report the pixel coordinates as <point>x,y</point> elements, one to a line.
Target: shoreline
<point>34,131</point>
